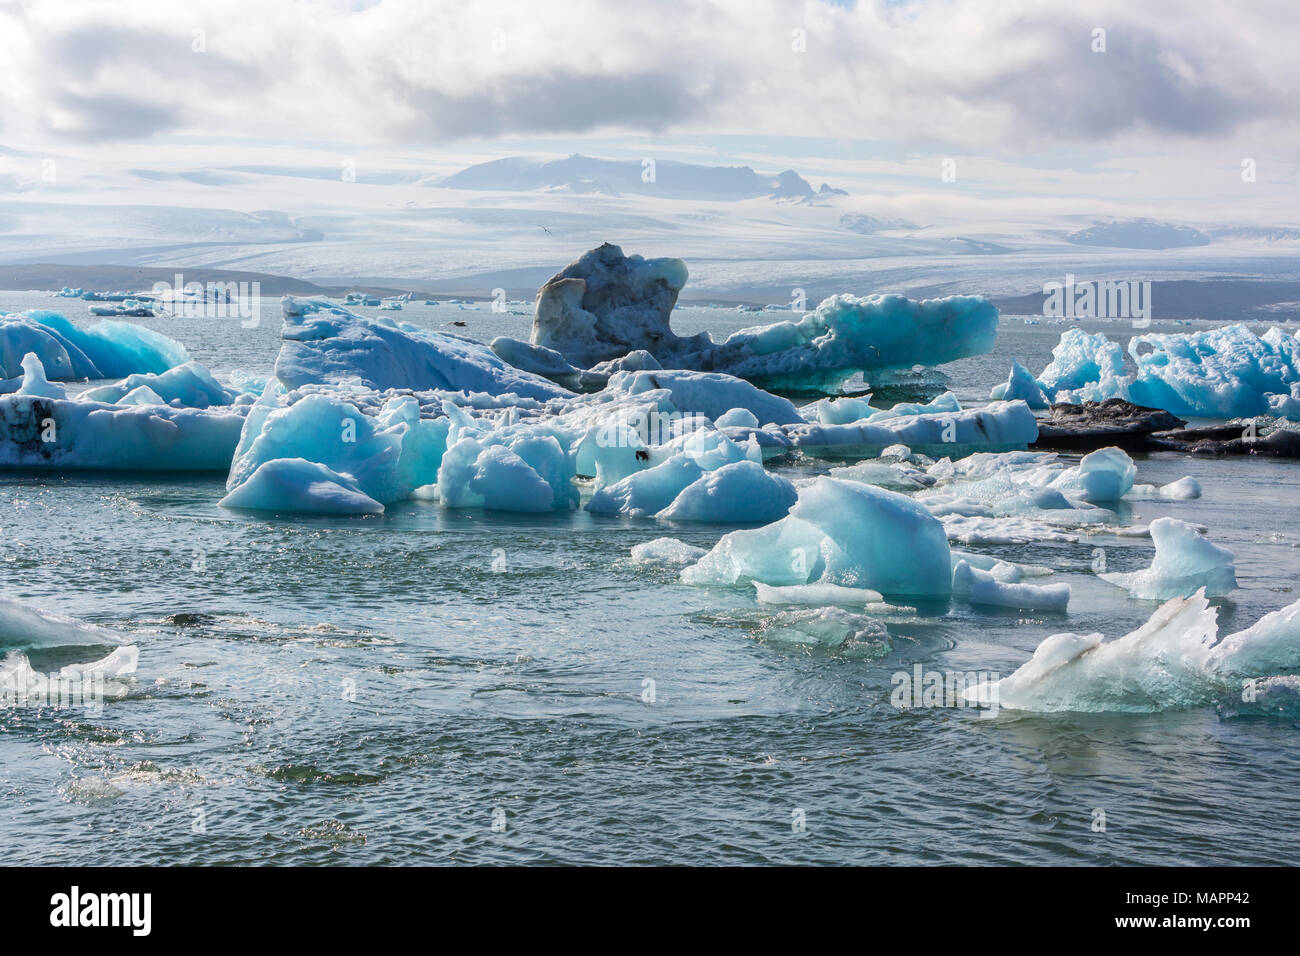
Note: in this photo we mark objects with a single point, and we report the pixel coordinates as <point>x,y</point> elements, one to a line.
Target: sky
<point>1011,109</point>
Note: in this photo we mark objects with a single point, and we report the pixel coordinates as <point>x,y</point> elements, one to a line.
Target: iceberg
<point>711,394</point>
<point>830,628</point>
<point>842,533</point>
<point>737,493</point>
<point>1172,661</point>
<point>34,381</point>
<point>666,551</point>
<point>381,458</point>
<point>1000,426</point>
<point>66,434</point>
<point>1023,386</point>
<point>1184,563</point>
<point>107,349</point>
<point>188,385</point>
<point>297,485</point>
<point>818,595</point>
<point>605,305</point>
<point>323,343</point>
<point>23,626</point>
<point>1224,372</point>
<point>1002,588</point>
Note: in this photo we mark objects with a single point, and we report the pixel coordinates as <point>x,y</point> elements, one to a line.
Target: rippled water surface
<point>385,689</point>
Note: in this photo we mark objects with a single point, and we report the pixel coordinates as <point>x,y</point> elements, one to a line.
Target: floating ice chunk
<point>53,433</point>
<point>122,662</point>
<point>710,394</point>
<point>1001,426</point>
<point>189,385</point>
<point>985,587</point>
<point>739,492</point>
<point>895,476</point>
<point>330,432</point>
<point>815,594</point>
<point>1021,385</point>
<point>605,304</point>
<point>646,493</point>
<point>325,343</point>
<point>1080,359</point>
<point>737,418</point>
<point>1184,488</point>
<point>535,358</point>
<point>666,551</point>
<point>297,485</point>
<point>140,395</point>
<point>1170,662</point>
<point>74,685</point>
<point>838,411</point>
<point>976,531</point>
<point>105,350</point>
<point>828,627</point>
<point>847,333</point>
<point>35,382</point>
<point>1225,372</point>
<point>842,533</point>
<point>1184,563</point>
<point>496,478</point>
<point>987,562</point>
<point>22,625</point>
<point>1106,475</point>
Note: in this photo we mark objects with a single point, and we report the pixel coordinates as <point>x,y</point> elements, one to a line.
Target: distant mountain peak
<point>670,179</point>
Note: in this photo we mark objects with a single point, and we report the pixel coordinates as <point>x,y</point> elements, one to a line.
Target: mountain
<point>1139,234</point>
<point>665,178</point>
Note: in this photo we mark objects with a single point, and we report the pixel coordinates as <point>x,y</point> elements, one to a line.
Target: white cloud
<point>1001,77</point>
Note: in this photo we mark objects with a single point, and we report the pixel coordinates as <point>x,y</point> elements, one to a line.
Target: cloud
<point>981,75</point>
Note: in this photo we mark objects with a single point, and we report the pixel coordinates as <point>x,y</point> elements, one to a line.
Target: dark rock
<point>1095,425</point>
<point>1234,439</point>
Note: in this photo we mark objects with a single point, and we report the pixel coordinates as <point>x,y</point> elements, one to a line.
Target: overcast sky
<point>1114,98</point>
<point>1006,76</point>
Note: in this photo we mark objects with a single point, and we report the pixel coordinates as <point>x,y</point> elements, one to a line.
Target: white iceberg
<point>323,343</point>
<point>34,381</point>
<point>1172,661</point>
<point>1004,589</point>
<point>666,551</point>
<point>1023,386</point>
<point>1184,563</point>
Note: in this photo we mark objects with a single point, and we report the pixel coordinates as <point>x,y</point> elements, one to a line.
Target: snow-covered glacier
<point>605,305</point>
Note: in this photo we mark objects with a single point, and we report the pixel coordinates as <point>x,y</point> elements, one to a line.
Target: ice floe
<point>1175,660</point>
<point>1184,562</point>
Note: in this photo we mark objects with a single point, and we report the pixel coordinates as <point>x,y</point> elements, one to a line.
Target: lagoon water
<point>436,687</point>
